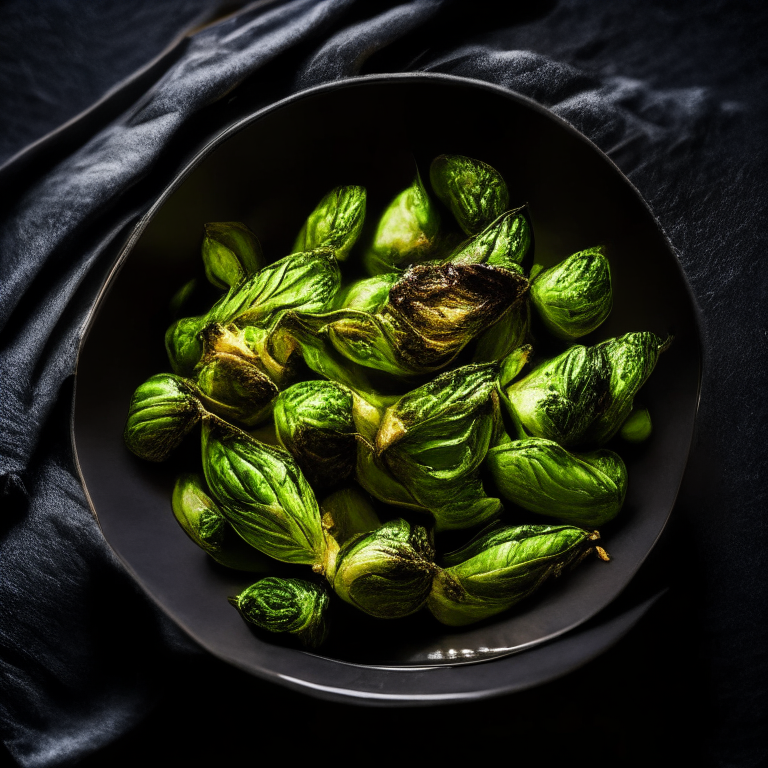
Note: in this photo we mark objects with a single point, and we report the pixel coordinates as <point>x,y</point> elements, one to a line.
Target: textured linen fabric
<point>674,94</point>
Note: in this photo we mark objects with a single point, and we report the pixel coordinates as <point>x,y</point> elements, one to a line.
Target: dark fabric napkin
<point>674,94</point>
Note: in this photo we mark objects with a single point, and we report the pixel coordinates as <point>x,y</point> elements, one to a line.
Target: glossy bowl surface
<point>269,170</point>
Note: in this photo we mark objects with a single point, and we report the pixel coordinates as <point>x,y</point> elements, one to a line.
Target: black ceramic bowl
<point>269,170</point>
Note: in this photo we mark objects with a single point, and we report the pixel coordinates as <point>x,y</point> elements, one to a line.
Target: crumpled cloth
<point>674,94</point>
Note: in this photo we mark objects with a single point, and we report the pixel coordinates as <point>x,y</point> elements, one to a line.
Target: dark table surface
<point>676,96</point>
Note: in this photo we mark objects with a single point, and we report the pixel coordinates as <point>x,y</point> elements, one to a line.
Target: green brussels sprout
<point>585,489</point>
<point>637,428</point>
<point>230,383</point>
<point>346,513</point>
<point>503,243</point>
<point>407,232</point>
<point>314,424</point>
<point>163,410</point>
<point>302,281</point>
<point>501,566</point>
<point>560,398</point>
<point>367,295</point>
<point>202,520</point>
<point>475,193</point>
<point>574,297</point>
<point>264,496</point>
<point>231,253</point>
<point>510,333</point>
<point>631,357</point>
<point>434,439</point>
<point>293,606</point>
<point>335,223</point>
<point>184,344</point>
<point>386,573</point>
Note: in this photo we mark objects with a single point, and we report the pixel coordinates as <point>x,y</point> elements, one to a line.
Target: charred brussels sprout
<point>503,565</point>
<point>231,253</point>
<point>202,520</point>
<point>386,573</point>
<point>293,606</point>
<point>163,410</point>
<point>631,357</point>
<point>561,398</point>
<point>574,297</point>
<point>230,381</point>
<point>434,439</point>
<point>407,232</point>
<point>314,423</point>
<point>585,489</point>
<point>263,494</point>
<point>503,243</point>
<point>474,191</point>
<point>430,315</point>
<point>335,223</point>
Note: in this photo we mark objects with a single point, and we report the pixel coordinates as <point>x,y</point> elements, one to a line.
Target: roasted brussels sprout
<point>631,358</point>
<point>505,242</point>
<point>263,494</point>
<point>475,193</point>
<point>231,383</point>
<point>501,566</point>
<point>585,489</point>
<point>335,223</point>
<point>430,315</point>
<point>162,411</point>
<point>561,398</point>
<point>293,606</point>
<point>637,428</point>
<point>434,439</point>
<point>388,572</point>
<point>184,344</point>
<point>574,297</point>
<point>314,424</point>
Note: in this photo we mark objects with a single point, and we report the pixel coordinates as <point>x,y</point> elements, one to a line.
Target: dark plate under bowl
<point>269,170</point>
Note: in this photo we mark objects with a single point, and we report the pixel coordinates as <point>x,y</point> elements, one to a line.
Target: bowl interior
<point>270,171</point>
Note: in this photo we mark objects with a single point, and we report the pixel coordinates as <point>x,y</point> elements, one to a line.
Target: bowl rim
<point>371,696</point>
